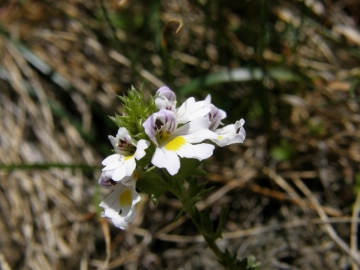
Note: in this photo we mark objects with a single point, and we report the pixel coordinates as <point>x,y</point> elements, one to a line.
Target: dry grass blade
<point>256,231</point>
<point>330,230</point>
<point>105,227</point>
<point>3,263</point>
<point>284,197</point>
<point>354,229</point>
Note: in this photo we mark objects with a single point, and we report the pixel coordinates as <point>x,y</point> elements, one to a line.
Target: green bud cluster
<point>136,110</point>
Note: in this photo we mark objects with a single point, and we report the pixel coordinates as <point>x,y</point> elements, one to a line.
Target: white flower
<point>166,99</point>
<point>120,204</point>
<point>122,164</point>
<point>106,182</point>
<point>166,92</point>
<point>215,116</point>
<point>188,111</point>
<point>191,110</point>
<point>230,134</point>
<point>173,142</point>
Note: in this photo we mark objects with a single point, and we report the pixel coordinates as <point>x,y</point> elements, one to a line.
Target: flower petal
<point>216,115</point>
<point>221,141</point>
<point>119,173</point>
<point>163,120</point>
<point>198,151</point>
<point>200,136</point>
<point>190,110</point>
<point>120,205</point>
<point>113,140</point>
<point>231,134</point>
<point>169,160</point>
<point>106,181</point>
<point>113,166</point>
<point>116,219</point>
<point>193,126</point>
<point>140,149</point>
<point>130,166</point>
<point>111,159</point>
<point>166,92</point>
<point>132,215</point>
<point>123,134</point>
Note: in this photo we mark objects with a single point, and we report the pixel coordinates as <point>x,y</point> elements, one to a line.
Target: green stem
<point>210,241</point>
<point>188,192</point>
<point>195,216</point>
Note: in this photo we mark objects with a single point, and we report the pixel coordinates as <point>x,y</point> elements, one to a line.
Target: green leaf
<point>230,262</point>
<point>281,74</point>
<point>152,183</point>
<point>238,75</point>
<point>207,224</point>
<point>194,193</point>
<point>230,75</point>
<point>223,215</point>
<point>252,264</point>
<point>283,152</point>
<point>188,167</point>
<point>181,212</point>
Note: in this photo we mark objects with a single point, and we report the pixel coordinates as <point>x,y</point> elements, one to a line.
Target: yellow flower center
<point>125,198</point>
<point>220,137</point>
<point>128,157</point>
<point>175,144</point>
<point>164,135</point>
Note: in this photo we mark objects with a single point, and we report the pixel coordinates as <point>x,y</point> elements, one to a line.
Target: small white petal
<point>191,110</point>
<point>227,131</point>
<point>108,174</point>
<point>242,132</point>
<point>169,160</point>
<point>208,99</point>
<point>140,149</point>
<point>110,159</point>
<point>105,181</point>
<point>181,111</point>
<point>193,115</point>
<point>222,142</point>
<point>131,217</point>
<point>200,136</point>
<point>113,166</point>
<point>128,180</point>
<point>166,92</point>
<point>123,134</point>
<point>223,114</point>
<point>116,219</point>
<point>119,173</point>
<point>193,126</point>
<point>198,151</point>
<point>238,138</point>
<point>130,166</point>
<point>113,140</point>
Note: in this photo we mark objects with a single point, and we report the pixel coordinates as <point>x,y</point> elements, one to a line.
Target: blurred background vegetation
<point>289,68</point>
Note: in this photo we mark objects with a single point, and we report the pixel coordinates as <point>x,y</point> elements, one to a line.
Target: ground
<point>290,69</point>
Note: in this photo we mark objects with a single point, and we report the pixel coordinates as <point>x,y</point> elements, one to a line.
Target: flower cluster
<point>158,134</point>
